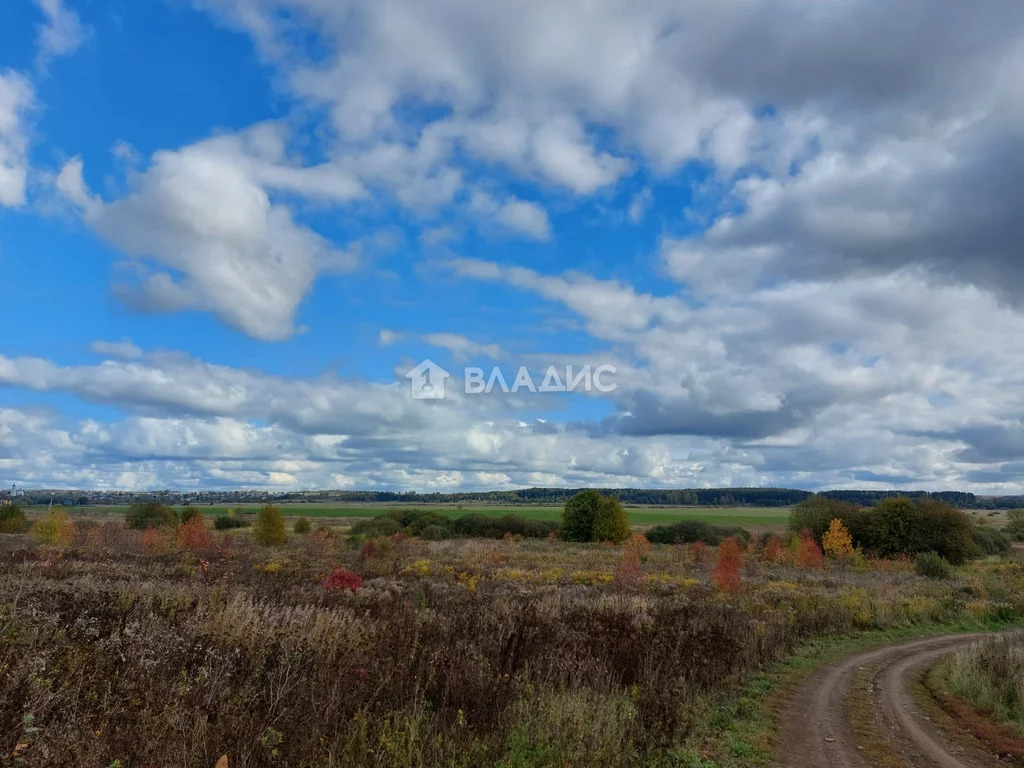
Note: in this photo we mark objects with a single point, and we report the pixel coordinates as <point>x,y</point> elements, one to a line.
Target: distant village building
<point>7,497</point>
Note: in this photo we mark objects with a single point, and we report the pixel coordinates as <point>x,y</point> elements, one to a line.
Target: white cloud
<point>638,205</point>
<point>461,347</point>
<point>61,34</point>
<point>124,349</point>
<point>517,215</point>
<point>205,213</point>
<point>16,99</point>
<point>387,337</point>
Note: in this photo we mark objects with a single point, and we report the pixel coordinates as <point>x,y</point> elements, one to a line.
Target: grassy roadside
<point>742,730</point>
<point>936,699</point>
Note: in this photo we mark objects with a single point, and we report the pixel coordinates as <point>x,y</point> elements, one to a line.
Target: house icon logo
<point>426,381</point>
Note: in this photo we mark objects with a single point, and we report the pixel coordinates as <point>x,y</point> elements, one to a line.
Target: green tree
<point>150,514</point>
<point>896,528</point>
<point>269,529</point>
<point>579,514</point>
<point>947,531</point>
<point>611,523</point>
<point>302,526</point>
<point>816,513</point>
<point>12,519</point>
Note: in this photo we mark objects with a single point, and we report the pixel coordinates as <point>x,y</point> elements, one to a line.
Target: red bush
<point>342,578</point>
<point>808,553</point>
<point>774,550</point>
<point>194,536</point>
<point>727,571</point>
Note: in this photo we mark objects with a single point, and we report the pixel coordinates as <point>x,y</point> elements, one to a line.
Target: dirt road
<point>860,712</point>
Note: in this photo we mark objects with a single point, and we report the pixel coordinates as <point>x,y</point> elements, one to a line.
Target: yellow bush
<point>55,530</point>
<point>837,542</point>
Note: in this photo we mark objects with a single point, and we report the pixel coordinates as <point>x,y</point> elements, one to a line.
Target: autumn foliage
<point>342,578</point>
<point>193,535</point>
<point>774,550</point>
<point>808,553</point>
<point>837,542</point>
<point>727,570</point>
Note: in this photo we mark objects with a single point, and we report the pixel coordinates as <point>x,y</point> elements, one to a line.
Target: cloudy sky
<point>228,228</point>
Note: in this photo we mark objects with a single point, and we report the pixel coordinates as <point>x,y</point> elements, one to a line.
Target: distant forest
<point>701,497</point>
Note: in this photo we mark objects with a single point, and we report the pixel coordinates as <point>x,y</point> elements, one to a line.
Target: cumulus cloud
<point>839,305</point>
<point>206,213</point>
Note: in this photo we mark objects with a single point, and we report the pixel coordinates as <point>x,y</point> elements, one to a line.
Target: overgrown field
<point>162,647</point>
<point>755,517</point>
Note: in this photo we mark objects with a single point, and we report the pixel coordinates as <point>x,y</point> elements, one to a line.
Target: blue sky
<point>229,227</point>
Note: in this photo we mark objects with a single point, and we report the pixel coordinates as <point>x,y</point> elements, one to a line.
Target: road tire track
<point>816,727</point>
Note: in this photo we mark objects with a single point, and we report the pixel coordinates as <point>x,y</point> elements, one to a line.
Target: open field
<point>752,517</point>
<point>132,648</point>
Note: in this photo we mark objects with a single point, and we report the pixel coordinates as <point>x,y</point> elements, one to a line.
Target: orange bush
<point>808,553</point>
<point>636,548</point>
<point>158,541</point>
<point>727,575</point>
<point>774,550</point>
<point>194,536</point>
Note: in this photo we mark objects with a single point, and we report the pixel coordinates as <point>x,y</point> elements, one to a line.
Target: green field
<point>760,517</point>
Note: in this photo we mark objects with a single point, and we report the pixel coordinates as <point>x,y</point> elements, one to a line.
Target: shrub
<point>933,566</point>
<point>727,570</point>
<point>578,516</point>
<point>637,548</point>
<point>377,526</point>
<point>816,513</point>
<point>837,542</point>
<point>150,514</point>
<point>194,536</point>
<point>432,533</point>
<point>948,531</point>
<point>483,526</point>
<point>269,530</point>
<point>413,521</point>
<point>12,519</point>
<point>342,578</point>
<point>189,512</point>
<point>55,530</point>
<point>611,523</point>
<point>990,541</point>
<point>1015,524</point>
<point>228,522</point>
<point>589,516</point>
<point>159,541</point>
<point>808,553</point>
<point>302,526</point>
<point>692,531</point>
<point>774,549</point>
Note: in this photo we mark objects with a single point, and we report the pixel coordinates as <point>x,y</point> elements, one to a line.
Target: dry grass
<point>453,653</point>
